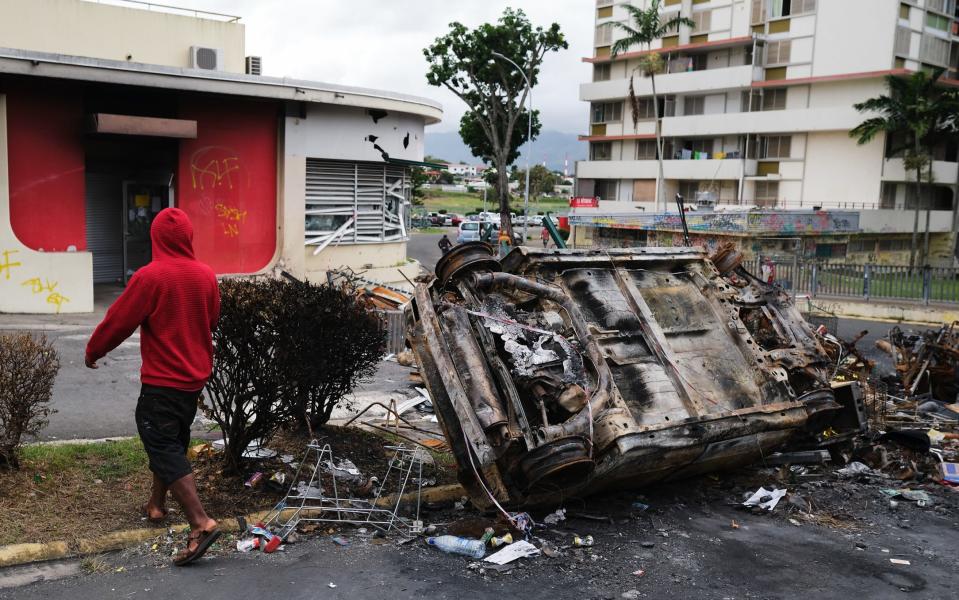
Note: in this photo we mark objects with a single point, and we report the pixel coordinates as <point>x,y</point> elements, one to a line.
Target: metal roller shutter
<point>104,214</point>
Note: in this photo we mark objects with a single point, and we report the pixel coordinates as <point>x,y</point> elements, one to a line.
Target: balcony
<point>691,82</point>
<point>730,168</point>
<point>772,121</point>
<point>943,172</point>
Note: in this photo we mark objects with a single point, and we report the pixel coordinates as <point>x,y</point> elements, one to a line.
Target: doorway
<point>143,199</point>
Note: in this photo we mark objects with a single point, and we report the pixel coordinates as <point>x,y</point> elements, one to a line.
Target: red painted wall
<point>46,166</point>
<point>226,182</point>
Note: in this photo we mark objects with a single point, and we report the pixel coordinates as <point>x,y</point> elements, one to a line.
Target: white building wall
<point>839,172</point>
<point>854,36</point>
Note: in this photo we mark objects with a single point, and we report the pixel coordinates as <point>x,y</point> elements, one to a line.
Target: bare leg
<point>184,490</point>
<point>156,505</point>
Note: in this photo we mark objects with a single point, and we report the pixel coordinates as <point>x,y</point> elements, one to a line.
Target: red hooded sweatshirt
<point>176,303</point>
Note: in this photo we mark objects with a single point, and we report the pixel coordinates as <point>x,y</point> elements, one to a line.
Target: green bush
<point>28,368</point>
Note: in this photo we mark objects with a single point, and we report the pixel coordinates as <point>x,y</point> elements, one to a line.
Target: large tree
<point>541,180</point>
<point>920,112</point>
<point>645,26</point>
<point>495,124</point>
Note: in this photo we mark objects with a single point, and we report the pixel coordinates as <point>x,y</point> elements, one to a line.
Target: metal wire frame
<point>333,509</point>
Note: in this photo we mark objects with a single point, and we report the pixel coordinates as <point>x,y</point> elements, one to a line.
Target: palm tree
<point>920,112</point>
<point>645,27</point>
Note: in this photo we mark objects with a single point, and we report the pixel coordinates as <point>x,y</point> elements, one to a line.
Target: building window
<point>894,245</point>
<point>830,250</point>
<point>903,39</point>
<point>772,146</point>
<point>694,105</point>
<point>937,21</point>
<point>774,99</point>
<point>934,50</point>
<point>778,52</point>
<point>645,149</point>
<point>767,193</point>
<point>790,8</point>
<point>689,189</point>
<point>600,151</point>
<point>606,189</point>
<point>645,109</point>
<point>602,71</point>
<point>758,12</point>
<point>751,100</point>
<point>904,11</point>
<point>338,191</point>
<point>604,34</point>
<point>607,112</point>
<point>702,21</point>
<point>701,148</point>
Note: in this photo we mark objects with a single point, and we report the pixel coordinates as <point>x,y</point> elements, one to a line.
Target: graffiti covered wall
<point>767,222</point>
<point>226,182</point>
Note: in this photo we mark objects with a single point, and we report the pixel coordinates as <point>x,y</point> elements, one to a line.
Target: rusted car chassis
<point>562,372</point>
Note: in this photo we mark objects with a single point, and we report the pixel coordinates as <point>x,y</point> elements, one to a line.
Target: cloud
<point>379,44</point>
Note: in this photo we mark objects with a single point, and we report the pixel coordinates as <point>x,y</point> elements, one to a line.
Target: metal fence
<point>928,284</point>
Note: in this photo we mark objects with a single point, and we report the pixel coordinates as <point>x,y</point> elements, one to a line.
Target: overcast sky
<point>379,44</point>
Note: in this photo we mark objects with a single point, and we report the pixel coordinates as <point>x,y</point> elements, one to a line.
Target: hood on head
<point>172,235</point>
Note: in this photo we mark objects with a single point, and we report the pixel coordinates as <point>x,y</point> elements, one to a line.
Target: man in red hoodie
<point>175,301</point>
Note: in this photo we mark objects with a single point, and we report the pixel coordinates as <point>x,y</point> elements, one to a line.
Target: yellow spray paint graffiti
<point>40,286</point>
<point>7,265</point>
<point>231,217</point>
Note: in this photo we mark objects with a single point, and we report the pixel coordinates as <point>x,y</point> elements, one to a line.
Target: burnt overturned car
<point>560,372</point>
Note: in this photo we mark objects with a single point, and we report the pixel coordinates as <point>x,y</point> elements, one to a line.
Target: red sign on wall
<point>584,202</point>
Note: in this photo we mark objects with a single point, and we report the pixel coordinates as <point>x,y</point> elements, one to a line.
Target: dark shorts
<point>164,416</point>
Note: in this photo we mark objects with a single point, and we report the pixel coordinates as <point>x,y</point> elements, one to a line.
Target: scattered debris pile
<point>927,362</point>
<point>559,372</point>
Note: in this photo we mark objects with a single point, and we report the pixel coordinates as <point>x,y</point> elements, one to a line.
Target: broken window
<point>356,202</point>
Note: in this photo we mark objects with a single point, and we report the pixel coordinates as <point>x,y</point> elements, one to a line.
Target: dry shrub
<point>286,351</point>
<point>28,368</point>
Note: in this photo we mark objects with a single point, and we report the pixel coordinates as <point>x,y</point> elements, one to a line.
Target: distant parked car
<point>469,231</point>
<point>455,220</point>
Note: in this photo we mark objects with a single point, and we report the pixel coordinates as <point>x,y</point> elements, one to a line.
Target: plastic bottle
<point>457,545</point>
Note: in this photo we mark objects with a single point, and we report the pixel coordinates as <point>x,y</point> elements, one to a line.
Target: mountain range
<point>551,146</point>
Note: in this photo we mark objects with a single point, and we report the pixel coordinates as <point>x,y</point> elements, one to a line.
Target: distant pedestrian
<point>545,236</point>
<point>175,302</point>
<point>768,270</point>
<point>504,242</point>
<point>445,244</point>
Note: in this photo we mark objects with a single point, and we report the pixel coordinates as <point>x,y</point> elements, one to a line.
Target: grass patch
<point>431,230</point>
<point>108,461</point>
<point>462,202</point>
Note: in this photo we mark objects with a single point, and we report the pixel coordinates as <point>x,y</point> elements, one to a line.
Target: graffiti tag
<point>7,265</point>
<point>45,286</point>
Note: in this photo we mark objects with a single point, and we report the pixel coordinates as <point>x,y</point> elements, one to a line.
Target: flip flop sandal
<point>155,520</point>
<point>204,540</point>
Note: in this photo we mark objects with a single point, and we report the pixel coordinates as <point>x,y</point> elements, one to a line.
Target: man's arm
<point>123,317</point>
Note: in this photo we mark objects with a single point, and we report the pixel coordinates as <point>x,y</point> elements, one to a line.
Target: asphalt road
<point>684,546</point>
<point>422,247</point>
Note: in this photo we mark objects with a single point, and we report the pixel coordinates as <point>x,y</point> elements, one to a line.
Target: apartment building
<point>757,102</point>
<point>109,113</point>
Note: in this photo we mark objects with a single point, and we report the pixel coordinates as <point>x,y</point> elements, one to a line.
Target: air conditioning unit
<point>254,65</point>
<point>207,59</point>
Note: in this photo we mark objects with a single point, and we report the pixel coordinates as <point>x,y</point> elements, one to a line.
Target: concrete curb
<point>18,554</point>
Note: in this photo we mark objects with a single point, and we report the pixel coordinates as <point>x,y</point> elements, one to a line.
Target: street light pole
<point>529,142</point>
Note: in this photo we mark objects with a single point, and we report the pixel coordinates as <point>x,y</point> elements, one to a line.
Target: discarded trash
<point>502,541</point>
<point>488,535</point>
<point>339,540</point>
<point>345,470</point>
<point>630,595</point>
<point>331,585</point>
<point>950,472</point>
<point>510,553</point>
<point>899,561</point>
<point>457,545</point>
<point>307,491</point>
<point>582,541</point>
<point>194,452</point>
<point>763,498</point>
<point>255,480</point>
<point>639,573</point>
<point>806,457</point>
<point>555,517</point>
<point>640,506</point>
<point>920,497</point>
<point>854,468</point>
<point>248,544</point>
<point>734,524</point>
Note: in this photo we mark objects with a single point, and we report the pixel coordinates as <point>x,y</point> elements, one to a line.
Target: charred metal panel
<point>560,372</point>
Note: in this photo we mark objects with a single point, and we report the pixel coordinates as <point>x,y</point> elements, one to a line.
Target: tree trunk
<point>915,222</point>
<point>925,236</point>
<point>660,192</point>
<point>502,177</point>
